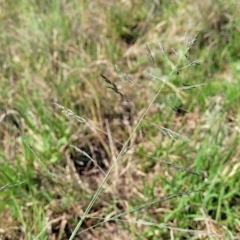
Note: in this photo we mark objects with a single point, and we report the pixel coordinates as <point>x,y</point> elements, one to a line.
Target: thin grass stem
<point>120,155</point>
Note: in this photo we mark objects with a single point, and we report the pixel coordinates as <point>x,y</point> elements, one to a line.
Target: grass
<point>55,52</point>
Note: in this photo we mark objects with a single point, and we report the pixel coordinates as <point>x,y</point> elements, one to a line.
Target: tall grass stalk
<point>174,69</point>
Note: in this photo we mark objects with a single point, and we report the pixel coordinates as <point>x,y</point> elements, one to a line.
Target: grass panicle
<point>121,153</point>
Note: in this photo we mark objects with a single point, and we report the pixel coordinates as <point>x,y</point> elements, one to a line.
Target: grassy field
<point>119,119</point>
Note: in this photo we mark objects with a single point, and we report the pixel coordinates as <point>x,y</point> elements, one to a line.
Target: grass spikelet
<point>168,132</point>
<point>192,42</point>
<point>125,76</point>
<point>150,56</point>
<point>70,113</point>
<point>175,136</point>
<point>85,154</point>
<point>177,167</point>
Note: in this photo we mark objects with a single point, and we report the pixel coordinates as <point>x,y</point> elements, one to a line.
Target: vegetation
<point>119,119</point>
